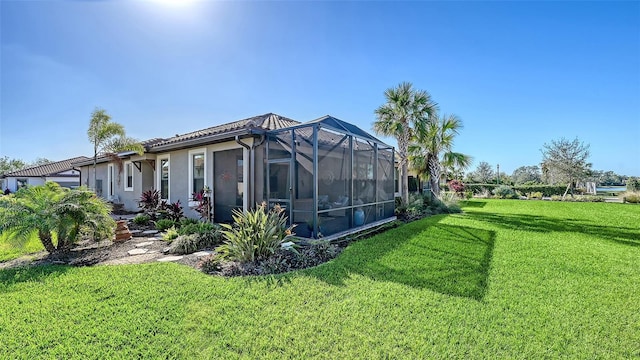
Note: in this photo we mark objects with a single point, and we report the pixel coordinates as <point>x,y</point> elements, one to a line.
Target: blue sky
<point>519,74</point>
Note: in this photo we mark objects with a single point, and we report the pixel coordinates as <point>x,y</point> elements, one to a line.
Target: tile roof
<point>268,121</point>
<point>47,169</point>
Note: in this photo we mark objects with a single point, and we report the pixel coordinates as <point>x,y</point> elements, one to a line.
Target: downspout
<point>80,171</point>
<point>251,195</point>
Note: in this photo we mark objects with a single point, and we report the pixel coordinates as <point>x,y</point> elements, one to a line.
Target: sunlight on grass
<point>505,279</point>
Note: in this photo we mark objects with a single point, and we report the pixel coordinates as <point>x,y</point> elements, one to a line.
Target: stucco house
<point>329,176</point>
<point>62,172</point>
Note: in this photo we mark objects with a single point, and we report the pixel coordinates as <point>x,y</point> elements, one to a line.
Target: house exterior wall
<point>179,174</point>
<point>12,182</point>
<point>88,178</point>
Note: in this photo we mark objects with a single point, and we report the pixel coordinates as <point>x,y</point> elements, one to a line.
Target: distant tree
<point>568,160</point>
<point>50,209</point>
<point>633,184</point>
<point>432,148</point>
<point>526,174</point>
<point>40,161</point>
<point>109,138</point>
<point>405,111</point>
<point>483,174</point>
<point>10,165</point>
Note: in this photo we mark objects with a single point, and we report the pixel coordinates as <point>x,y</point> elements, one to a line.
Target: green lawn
<point>505,279</point>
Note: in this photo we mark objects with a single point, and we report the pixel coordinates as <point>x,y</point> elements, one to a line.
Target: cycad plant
<point>53,211</point>
<point>255,234</point>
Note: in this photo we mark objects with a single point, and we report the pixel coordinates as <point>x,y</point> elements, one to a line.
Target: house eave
<point>205,140</point>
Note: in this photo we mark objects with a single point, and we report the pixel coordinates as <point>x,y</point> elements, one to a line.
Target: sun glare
<point>174,2</point>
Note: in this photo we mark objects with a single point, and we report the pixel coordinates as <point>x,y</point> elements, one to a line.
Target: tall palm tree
<point>405,113</point>
<point>432,147</point>
<point>109,138</point>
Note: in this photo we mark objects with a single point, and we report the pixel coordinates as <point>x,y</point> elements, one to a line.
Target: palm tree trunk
<point>434,174</point>
<point>45,238</point>
<point>95,160</point>
<point>403,145</point>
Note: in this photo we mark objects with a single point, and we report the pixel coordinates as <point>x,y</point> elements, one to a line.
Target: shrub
<point>578,198</point>
<point>504,192</point>
<point>164,224</point>
<point>185,244</point>
<point>468,194</point>
<point>457,186</point>
<point>150,203</point>
<point>546,190</point>
<point>186,221</point>
<point>171,234</point>
<point>633,184</point>
<point>255,234</point>
<point>534,195</point>
<point>52,210</point>
<point>208,234</point>
<point>172,211</point>
<point>632,197</point>
<point>141,219</point>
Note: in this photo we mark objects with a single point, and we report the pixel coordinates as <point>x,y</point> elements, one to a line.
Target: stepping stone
<point>143,244</point>
<point>170,258</point>
<point>136,233</point>
<point>202,253</point>
<point>149,232</point>
<point>137,251</point>
<point>153,239</point>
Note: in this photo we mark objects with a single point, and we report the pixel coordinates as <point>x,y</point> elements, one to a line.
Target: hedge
<point>546,190</point>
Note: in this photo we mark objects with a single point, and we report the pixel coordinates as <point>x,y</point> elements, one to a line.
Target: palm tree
<point>52,210</point>
<point>406,112</point>
<point>109,138</point>
<point>432,149</point>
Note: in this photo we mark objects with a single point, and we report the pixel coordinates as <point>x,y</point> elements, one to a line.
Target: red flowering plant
<point>457,186</point>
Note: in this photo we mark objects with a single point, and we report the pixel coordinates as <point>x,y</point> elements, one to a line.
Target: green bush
<point>164,224</point>
<point>255,234</point>
<point>632,197</point>
<point>186,221</point>
<point>633,184</point>
<point>480,188</point>
<point>171,234</point>
<point>578,198</point>
<point>141,219</point>
<point>198,227</point>
<point>534,195</point>
<point>55,212</point>
<point>546,190</point>
<point>505,192</point>
<point>185,244</point>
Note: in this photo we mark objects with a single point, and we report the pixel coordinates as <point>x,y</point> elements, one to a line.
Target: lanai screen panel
<point>334,181</point>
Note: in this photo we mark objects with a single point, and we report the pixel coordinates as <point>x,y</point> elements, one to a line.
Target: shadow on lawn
<point>11,277</point>
<point>452,260</point>
<point>545,224</point>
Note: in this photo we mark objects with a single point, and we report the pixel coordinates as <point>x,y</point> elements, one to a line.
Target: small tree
<point>483,173</point>
<point>568,160</point>
<point>109,138</point>
<point>52,210</point>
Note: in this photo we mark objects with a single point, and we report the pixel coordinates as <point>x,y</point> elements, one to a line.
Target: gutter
<point>252,171</point>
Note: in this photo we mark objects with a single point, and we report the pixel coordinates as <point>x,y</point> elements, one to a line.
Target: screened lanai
<point>330,177</point>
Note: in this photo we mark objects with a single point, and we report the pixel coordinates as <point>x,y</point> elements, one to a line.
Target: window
<point>110,178</point>
<point>20,183</point>
<point>128,176</point>
<point>197,170</point>
<point>163,177</point>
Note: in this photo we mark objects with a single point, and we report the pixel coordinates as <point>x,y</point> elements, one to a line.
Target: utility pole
<point>498,175</point>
